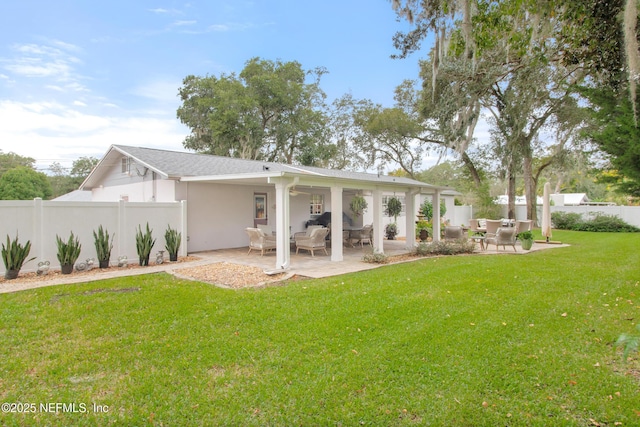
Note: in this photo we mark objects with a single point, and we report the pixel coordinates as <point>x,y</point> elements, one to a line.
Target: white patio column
<point>436,216</point>
<point>410,214</point>
<point>378,226</point>
<point>283,248</point>
<point>336,224</point>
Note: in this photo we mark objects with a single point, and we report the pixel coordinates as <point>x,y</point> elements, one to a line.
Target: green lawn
<point>452,341</point>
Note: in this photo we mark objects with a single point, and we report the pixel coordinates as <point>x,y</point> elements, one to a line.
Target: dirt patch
<point>229,275</point>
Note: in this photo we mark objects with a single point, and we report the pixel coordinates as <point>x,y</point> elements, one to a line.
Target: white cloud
<point>165,91</point>
<point>49,131</point>
<point>54,64</point>
<point>183,23</point>
<point>79,103</point>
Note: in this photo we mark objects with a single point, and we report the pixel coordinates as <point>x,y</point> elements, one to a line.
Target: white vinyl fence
<point>629,214</point>
<point>40,221</point>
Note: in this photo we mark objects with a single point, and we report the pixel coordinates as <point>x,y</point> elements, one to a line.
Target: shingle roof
<point>177,164</point>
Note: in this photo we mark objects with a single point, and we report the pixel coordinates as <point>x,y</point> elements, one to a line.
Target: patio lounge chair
<point>474,226</point>
<point>364,235</point>
<point>504,236</point>
<point>259,241</point>
<point>492,227</point>
<point>453,232</point>
<point>316,241</point>
<point>307,232</point>
<point>523,226</point>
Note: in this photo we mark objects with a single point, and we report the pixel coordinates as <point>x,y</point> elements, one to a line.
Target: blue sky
<point>79,75</point>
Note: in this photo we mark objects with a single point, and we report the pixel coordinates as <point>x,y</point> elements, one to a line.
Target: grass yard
<point>455,341</point>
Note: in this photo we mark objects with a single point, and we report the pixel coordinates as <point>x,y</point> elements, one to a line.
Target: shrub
<point>375,258</point>
<point>606,223</point>
<point>565,220</point>
<point>599,223</point>
<point>448,247</point>
<point>427,209</point>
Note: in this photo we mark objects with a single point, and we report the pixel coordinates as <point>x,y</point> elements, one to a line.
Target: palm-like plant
<point>68,252</point>
<point>172,242</point>
<point>144,244</point>
<point>103,246</point>
<point>14,255</point>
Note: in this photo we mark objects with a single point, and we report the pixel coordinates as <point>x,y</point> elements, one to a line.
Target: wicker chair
<point>453,232</point>
<point>504,236</point>
<point>492,227</point>
<point>258,241</point>
<point>362,236</point>
<point>316,241</point>
<point>523,226</point>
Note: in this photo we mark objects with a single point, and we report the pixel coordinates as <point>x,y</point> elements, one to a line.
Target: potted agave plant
<point>172,242</point>
<point>103,246</point>
<point>144,244</point>
<point>68,253</point>
<point>14,255</point>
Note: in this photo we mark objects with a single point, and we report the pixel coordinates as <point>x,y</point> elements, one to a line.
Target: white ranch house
<point>225,195</point>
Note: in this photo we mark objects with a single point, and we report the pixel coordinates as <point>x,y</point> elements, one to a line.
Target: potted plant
<point>14,255</point>
<point>358,205</point>
<point>422,230</point>
<point>144,244</point>
<point>172,242</point>
<point>394,207</point>
<point>526,239</point>
<point>427,209</point>
<point>103,246</point>
<point>391,230</point>
<point>68,253</point>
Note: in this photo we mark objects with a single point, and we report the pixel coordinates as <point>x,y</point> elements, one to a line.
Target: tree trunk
<point>472,169</point>
<point>511,192</point>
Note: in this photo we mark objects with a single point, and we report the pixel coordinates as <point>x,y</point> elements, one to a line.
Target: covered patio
<point>339,187</point>
<point>321,265</point>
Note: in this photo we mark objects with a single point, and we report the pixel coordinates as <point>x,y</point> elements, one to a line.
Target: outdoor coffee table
<point>479,239</point>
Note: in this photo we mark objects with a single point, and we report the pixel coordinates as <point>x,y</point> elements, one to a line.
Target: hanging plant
<point>394,207</point>
<point>358,205</point>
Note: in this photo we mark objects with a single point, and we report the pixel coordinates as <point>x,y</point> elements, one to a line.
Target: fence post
<point>183,228</point>
<point>122,226</point>
<point>37,228</point>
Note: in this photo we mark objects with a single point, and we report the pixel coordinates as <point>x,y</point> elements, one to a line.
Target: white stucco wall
<point>218,214</point>
<point>139,185</point>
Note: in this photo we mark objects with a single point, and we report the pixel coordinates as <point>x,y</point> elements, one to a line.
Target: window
<point>126,165</point>
<point>385,199</point>
<point>316,206</point>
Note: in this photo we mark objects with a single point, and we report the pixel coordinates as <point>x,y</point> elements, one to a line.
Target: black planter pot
<point>104,263</point>
<point>66,268</point>
<point>11,274</point>
<point>144,262</point>
<point>424,234</point>
<point>173,257</point>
